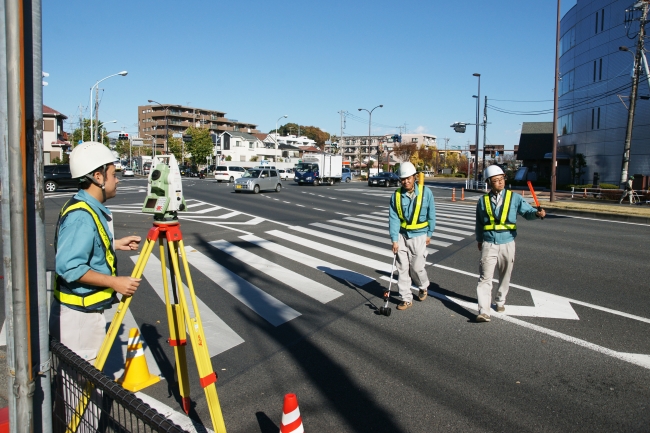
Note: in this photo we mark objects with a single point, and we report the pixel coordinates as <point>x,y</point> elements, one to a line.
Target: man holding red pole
<point>496,229</point>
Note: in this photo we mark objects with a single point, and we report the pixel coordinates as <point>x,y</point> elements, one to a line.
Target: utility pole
<point>555,105</point>
<point>633,95</point>
<point>484,129</point>
<point>96,126</point>
<point>446,141</point>
<point>81,124</point>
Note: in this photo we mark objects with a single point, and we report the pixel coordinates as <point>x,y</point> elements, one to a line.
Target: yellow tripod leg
<point>114,327</point>
<point>207,376</point>
<point>177,334</point>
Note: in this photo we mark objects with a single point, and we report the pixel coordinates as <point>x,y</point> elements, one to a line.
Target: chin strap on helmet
<point>102,185</point>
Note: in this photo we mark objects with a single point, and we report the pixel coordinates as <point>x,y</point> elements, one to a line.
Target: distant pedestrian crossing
<point>312,264</point>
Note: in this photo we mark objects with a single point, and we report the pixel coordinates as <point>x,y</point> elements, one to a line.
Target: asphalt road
<point>290,282</point>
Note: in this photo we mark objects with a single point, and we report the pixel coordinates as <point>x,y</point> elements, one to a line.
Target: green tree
<point>313,132</point>
<point>371,163</point>
<point>578,164</point>
<point>175,147</point>
<point>77,133</point>
<point>122,148</point>
<point>201,145</point>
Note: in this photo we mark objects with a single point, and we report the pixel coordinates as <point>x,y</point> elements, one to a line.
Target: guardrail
<point>111,408</point>
<point>475,185</point>
<point>638,196</point>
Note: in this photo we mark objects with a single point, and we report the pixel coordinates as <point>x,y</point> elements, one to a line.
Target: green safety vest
<point>414,224</point>
<point>504,214</point>
<point>93,300</point>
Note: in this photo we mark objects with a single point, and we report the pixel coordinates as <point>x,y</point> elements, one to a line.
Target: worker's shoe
<point>501,308</point>
<point>422,295</point>
<point>481,318</point>
<point>404,305</point>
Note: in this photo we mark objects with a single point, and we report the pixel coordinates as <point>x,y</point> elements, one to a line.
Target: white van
<point>286,173</point>
<point>229,173</point>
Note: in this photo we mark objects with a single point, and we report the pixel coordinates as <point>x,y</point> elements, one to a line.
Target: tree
<point>175,147</point>
<point>122,148</point>
<point>312,132</point>
<point>404,151</point>
<point>201,145</point>
<point>77,133</point>
<point>371,163</point>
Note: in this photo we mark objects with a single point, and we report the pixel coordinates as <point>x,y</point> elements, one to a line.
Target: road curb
<point>599,215</point>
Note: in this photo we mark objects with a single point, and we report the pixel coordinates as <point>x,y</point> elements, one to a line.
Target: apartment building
<point>54,138</point>
<point>153,120</point>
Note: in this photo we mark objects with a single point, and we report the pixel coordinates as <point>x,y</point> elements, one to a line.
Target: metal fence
<point>110,408</point>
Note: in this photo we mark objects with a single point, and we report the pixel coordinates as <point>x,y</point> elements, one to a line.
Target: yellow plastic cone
<point>136,373</point>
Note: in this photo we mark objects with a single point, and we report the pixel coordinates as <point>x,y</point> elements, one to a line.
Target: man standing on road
<point>411,221</point>
<point>628,190</point>
<point>86,267</point>
<point>496,229</point>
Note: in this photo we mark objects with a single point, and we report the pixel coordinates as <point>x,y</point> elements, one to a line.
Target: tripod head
<point>165,189</point>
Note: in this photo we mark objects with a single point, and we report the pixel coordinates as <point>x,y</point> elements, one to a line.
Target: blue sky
<point>259,60</point>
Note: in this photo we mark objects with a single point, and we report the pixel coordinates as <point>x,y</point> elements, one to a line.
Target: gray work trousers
<point>500,256</point>
<point>411,259</point>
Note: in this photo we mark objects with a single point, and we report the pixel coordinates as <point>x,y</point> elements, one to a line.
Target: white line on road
<point>341,213</point>
<point>322,210</point>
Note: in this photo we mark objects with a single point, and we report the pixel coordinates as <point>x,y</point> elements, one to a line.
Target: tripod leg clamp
<point>208,380</point>
<point>174,343</point>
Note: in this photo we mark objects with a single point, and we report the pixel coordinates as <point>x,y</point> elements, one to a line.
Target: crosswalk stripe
<point>220,337</point>
<point>346,241</point>
<point>453,223</point>
<point>456,216</point>
<point>378,230</point>
<point>366,236</point>
<point>311,261</point>
<point>384,223</point>
<point>343,254</point>
<point>309,287</point>
<point>375,217</point>
<point>460,208</point>
<point>446,229</point>
<point>266,306</point>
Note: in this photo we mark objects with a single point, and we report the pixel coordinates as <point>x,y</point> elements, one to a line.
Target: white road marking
<point>311,261</point>
<point>300,205</point>
<point>322,210</point>
<point>346,241</point>
<point>180,419</point>
<point>219,336</point>
<point>383,224</point>
<point>378,230</point>
<point>305,285</point>
<point>341,213</point>
<point>266,306</point>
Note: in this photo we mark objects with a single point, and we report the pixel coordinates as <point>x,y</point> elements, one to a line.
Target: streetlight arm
<point>92,136</point>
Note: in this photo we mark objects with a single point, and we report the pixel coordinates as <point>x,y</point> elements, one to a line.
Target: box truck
<point>318,169</point>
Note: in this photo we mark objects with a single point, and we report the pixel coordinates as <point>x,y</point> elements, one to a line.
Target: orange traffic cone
<point>136,373</point>
<point>291,420</point>
<point>584,194</point>
<point>462,194</point>
<point>453,194</point>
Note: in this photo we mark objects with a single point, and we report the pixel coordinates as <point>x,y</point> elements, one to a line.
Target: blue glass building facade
<point>595,86</point>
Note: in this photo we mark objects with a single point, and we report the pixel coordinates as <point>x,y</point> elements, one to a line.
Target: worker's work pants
<point>627,193</point>
<point>500,256</point>
<point>411,259</point>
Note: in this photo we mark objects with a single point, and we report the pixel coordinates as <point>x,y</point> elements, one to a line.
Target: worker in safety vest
<point>496,229</point>
<point>86,278</point>
<point>411,221</point>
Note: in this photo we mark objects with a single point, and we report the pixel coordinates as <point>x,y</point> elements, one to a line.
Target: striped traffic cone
<point>453,194</point>
<point>462,194</point>
<point>291,420</point>
<point>136,373</point>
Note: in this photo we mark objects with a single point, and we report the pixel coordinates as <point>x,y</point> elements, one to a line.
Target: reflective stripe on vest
<point>413,225</point>
<point>505,210</point>
<point>95,299</point>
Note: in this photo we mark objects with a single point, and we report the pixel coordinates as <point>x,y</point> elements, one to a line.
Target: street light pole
<point>478,103</point>
<point>92,132</point>
<point>369,124</point>
<point>166,107</point>
<point>112,121</point>
<point>277,143</point>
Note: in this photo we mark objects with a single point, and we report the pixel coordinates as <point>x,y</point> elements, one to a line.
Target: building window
<point>602,20</point>
<point>598,121</point>
<point>565,124</point>
<point>568,40</point>
<point>596,22</point>
<point>414,140</point>
<point>566,83</point>
<point>600,69</point>
<point>592,118</point>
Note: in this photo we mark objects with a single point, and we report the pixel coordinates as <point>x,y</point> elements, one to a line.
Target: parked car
<point>346,175</point>
<point>257,179</point>
<point>229,173</point>
<point>384,179</point>
<point>127,172</point>
<point>58,176</point>
<point>286,174</point>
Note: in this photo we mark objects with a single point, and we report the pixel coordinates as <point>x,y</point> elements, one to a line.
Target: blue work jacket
<point>79,246</point>
<point>517,206</point>
<point>427,213</point>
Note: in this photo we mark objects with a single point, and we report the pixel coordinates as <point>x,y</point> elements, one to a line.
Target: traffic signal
<point>123,136</point>
<point>459,126</point>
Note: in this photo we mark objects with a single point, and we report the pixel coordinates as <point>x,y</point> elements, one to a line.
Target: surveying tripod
<point>177,315</point>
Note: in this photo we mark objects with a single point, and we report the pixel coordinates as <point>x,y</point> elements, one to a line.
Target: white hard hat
<point>89,156</point>
<point>493,170</point>
<point>406,169</point>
